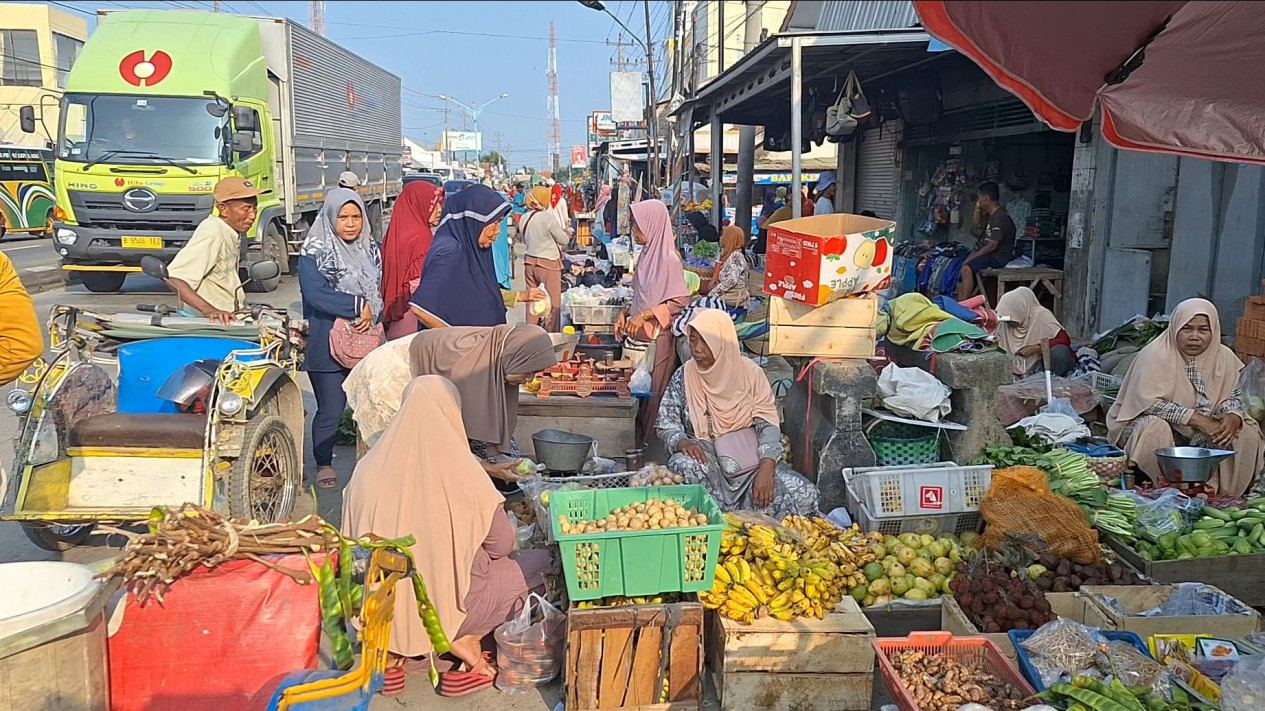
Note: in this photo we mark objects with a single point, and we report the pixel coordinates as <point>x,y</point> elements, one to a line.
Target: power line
<point>416,32</point>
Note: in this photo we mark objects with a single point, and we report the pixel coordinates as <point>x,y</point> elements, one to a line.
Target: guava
<point>882,586</point>
<point>906,555</point>
<point>899,585</point>
<point>874,571</point>
<point>921,568</point>
<point>943,566</point>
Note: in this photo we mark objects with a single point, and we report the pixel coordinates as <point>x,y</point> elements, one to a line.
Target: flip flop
<point>461,683</point>
<point>392,681</point>
<point>329,481</point>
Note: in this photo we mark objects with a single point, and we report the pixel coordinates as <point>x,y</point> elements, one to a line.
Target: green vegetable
<point>332,613</point>
<point>1092,699</point>
<point>1120,696</point>
<point>1216,513</point>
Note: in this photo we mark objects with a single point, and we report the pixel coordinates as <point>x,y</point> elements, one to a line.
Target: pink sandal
<point>461,683</point>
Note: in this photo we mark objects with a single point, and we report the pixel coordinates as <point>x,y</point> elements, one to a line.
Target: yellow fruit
<point>719,587</point>
<point>756,588</point>
<point>722,574</point>
<point>743,596</point>
<point>746,571</point>
<point>784,615</point>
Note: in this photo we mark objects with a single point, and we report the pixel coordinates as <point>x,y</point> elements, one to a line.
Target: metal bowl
<point>1189,464</point>
<point>563,451</point>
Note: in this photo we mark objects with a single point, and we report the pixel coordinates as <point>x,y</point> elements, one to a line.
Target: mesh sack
<point>1019,502</point>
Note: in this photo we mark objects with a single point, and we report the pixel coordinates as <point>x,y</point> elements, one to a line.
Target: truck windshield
<point>135,130</point>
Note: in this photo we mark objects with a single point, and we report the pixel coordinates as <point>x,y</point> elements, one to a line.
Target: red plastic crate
<point>960,649</point>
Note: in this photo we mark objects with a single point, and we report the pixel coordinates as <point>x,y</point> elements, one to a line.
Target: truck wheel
<point>56,538</point>
<point>103,282</point>
<point>273,249</point>
<point>48,226</point>
<point>265,479</point>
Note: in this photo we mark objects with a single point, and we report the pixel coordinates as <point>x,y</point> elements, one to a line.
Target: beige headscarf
<point>477,359</point>
<point>1030,323</point>
<point>421,480</point>
<point>1159,372</point>
<point>734,387</point>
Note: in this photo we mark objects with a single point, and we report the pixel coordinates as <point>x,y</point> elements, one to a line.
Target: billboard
<point>628,104</point>
<point>463,141</point>
<point>579,156</point>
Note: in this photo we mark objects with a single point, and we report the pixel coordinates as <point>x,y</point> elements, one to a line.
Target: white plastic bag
<point>640,383</point>
<point>914,392</point>
<point>1243,688</point>
<point>529,648</point>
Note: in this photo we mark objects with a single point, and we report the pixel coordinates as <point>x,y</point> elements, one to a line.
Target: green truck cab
<point>162,104</point>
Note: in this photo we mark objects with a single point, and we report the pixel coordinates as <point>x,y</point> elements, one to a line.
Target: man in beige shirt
<point>204,272</point>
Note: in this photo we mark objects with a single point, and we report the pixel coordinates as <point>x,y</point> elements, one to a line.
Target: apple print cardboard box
<point>815,260</point>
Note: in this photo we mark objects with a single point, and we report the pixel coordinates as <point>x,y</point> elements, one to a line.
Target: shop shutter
<point>878,171</point>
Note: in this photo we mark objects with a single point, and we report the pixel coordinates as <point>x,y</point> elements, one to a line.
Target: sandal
<point>326,478</point>
<point>460,683</point>
<point>392,681</point>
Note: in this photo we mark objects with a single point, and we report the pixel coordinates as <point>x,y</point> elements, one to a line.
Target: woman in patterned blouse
<point>1184,388</point>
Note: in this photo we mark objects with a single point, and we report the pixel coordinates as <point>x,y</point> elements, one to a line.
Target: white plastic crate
<point>598,315</point>
<point>932,525</point>
<point>1104,385</point>
<point>924,489</point>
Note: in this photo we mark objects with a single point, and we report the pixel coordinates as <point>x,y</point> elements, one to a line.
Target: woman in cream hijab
<point>718,392</point>
<point>421,481</point>
<point>1024,324</point>
<point>1184,388</point>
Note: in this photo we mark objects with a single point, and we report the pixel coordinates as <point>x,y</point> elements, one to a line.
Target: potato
<point>637,524</point>
<point>700,519</point>
<point>678,479</point>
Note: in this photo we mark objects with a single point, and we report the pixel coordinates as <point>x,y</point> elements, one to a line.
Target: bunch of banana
<point>740,592</point>
<point>621,601</point>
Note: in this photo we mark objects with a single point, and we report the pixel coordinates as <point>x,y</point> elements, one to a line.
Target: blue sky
<point>474,51</point>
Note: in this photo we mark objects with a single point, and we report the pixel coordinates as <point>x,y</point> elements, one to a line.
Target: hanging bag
<point>839,120</point>
<point>860,105</point>
<point>738,451</point>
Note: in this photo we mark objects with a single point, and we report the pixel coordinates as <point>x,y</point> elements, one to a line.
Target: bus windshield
<point>141,130</point>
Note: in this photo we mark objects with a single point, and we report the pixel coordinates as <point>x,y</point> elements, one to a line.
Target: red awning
<point>1170,77</point>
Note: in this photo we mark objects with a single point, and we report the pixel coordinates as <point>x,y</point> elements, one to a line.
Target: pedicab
<point>137,410</point>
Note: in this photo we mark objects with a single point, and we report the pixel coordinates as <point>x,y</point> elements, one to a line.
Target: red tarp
<point>1192,81</point>
<point>221,639</point>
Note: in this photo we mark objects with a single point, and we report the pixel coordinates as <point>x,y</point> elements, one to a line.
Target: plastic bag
<point>1243,689</point>
<point>1169,513</point>
<point>1252,382</point>
<point>913,392</point>
<point>639,383</point>
<point>529,647</point>
<point>1019,502</point>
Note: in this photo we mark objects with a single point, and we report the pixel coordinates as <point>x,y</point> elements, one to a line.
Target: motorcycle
<point>137,410</point>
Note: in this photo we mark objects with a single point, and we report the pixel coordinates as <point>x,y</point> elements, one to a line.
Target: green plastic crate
<point>636,563</point>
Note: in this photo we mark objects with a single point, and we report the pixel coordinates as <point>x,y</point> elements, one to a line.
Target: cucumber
<point>1207,524</point>
<point>1226,532</point>
<point>1216,513</point>
<point>1255,503</point>
<point>1237,513</point>
<point>1257,533</point>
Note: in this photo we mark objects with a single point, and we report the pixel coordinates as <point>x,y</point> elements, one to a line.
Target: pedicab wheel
<point>55,537</point>
<point>266,477</point>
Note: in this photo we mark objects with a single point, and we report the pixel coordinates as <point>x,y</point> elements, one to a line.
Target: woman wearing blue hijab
<point>459,284</point>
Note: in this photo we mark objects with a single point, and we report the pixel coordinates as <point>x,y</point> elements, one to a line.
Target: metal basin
<point>563,451</point>
<point>1189,464</point>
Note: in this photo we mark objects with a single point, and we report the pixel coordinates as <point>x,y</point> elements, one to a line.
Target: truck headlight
<point>66,236</point>
<point>19,401</point>
<point>231,403</point>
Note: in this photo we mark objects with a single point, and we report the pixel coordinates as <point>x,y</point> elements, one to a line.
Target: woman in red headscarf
<point>416,212</point>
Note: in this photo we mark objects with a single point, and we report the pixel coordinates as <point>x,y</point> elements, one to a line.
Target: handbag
<point>738,451</point>
<point>348,347</point>
<point>860,105</point>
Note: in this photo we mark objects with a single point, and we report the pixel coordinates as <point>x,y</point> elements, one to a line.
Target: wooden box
<point>954,620</point>
<point>614,657</point>
<point>801,665</point>
<point>839,329</point>
<point>1254,308</point>
<point>1138,598</point>
<point>1249,328</point>
<point>1242,576</point>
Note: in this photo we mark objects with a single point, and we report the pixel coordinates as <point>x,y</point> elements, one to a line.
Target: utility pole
<point>652,109</point>
<point>215,6</point>
<point>554,115</point>
<point>316,17</point>
<point>621,64</point>
<point>443,144</point>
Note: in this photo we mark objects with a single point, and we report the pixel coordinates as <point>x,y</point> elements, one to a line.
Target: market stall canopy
<point>1170,77</point>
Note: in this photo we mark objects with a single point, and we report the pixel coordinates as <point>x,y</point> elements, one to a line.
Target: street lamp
<point>474,111</point>
<point>651,113</point>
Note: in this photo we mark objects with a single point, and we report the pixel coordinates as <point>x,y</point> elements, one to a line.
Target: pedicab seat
<point>140,430</point>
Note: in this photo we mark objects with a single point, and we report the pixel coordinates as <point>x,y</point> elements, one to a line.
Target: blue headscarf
<point>459,282</point>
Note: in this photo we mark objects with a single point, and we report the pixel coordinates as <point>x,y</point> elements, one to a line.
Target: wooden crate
<point>1137,598</point>
<point>614,657</point>
<point>954,619</point>
<point>801,665</point>
<point>1250,328</point>
<point>1254,308</point>
<point>839,329</point>
<point>1242,576</point>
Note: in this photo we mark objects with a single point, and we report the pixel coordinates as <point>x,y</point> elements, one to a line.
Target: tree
<point>494,158</point>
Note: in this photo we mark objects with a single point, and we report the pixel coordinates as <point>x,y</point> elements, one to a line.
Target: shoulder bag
<point>738,451</point>
<point>348,347</point>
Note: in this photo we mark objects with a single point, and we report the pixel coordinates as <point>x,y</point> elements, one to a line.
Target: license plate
<point>142,242</point>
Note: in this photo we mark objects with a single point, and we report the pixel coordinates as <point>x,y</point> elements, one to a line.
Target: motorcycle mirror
<point>153,267</point>
<point>264,270</point>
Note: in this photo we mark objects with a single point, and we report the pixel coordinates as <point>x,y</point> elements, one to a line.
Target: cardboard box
<point>1254,308</point>
<point>839,329</point>
<point>803,664</point>
<point>1138,598</point>
<point>815,260</point>
<point>1249,328</point>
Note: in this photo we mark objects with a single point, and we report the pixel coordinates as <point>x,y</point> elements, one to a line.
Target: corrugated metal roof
<point>862,15</point>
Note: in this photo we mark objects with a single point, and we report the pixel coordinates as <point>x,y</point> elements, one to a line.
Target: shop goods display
<point>1217,532</point>
<point>1064,650</point>
<point>655,475</point>
<point>1019,503</point>
<point>1054,574</point>
<point>583,377</point>
<point>1085,692</point>
<point>522,510</point>
<point>660,548</point>
<point>996,600</point>
<point>802,568</point>
<point>913,567</point>
<point>621,601</point>
<point>938,682</point>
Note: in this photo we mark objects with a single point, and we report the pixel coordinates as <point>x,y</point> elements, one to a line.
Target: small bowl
<point>1189,464</point>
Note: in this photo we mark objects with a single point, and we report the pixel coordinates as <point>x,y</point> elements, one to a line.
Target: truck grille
<point>106,210</point>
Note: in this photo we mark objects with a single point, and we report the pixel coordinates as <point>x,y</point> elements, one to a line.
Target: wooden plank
<point>839,644</point>
<point>632,616</point>
<point>819,341</point>
<point>796,692</point>
<point>685,659</point>
<point>859,313</point>
<point>1138,598</point>
<point>643,684</point>
<point>617,656</point>
<point>559,406</point>
<point>571,674</point>
<point>590,658</point>
<point>954,620</point>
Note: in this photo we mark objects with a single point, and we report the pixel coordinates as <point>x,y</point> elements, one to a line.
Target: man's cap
<point>235,188</point>
<point>348,179</point>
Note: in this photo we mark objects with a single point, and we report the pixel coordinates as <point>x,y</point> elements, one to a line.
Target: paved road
<point>139,289</point>
<point>26,252</point>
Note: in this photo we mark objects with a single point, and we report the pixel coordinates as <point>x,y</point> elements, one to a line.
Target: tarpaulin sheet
<point>221,639</point>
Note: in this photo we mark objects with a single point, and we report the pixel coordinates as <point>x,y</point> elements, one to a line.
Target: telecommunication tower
<point>316,17</point>
<point>554,115</point>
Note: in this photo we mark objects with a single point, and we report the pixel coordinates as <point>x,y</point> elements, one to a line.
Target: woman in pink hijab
<point>659,294</point>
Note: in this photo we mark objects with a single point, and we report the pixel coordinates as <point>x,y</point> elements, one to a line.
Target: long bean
<point>1092,699</point>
